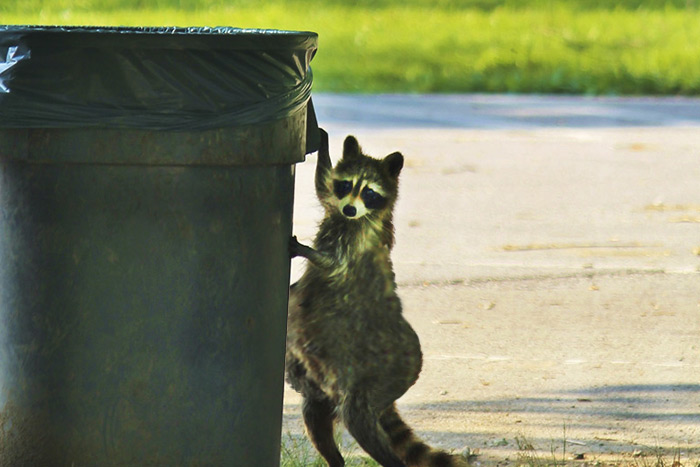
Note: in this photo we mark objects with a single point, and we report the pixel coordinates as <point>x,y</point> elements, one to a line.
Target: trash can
<point>146,190</point>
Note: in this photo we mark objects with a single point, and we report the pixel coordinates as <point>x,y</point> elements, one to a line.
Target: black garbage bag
<point>151,78</point>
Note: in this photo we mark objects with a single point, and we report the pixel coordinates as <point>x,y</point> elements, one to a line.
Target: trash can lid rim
<point>190,30</point>
<point>160,37</point>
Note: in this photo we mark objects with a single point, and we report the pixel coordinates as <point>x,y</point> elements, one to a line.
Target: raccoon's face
<point>357,197</point>
<point>364,186</point>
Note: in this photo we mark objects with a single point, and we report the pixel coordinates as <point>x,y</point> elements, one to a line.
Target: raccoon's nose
<point>349,210</point>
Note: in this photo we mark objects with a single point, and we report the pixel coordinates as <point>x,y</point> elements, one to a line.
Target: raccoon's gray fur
<point>350,352</point>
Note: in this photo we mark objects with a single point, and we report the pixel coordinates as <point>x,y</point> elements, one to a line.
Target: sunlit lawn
<point>553,47</point>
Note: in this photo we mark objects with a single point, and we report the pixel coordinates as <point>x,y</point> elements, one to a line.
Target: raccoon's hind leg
<point>363,424</point>
<point>319,416</point>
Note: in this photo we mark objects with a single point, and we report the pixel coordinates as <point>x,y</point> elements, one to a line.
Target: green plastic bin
<point>146,190</point>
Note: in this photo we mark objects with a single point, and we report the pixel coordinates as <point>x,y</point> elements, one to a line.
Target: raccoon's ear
<point>393,163</point>
<point>351,148</point>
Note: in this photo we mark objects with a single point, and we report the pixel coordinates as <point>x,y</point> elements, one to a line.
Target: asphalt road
<point>548,255</point>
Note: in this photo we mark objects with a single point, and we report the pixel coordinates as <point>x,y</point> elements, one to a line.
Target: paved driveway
<point>548,255</point>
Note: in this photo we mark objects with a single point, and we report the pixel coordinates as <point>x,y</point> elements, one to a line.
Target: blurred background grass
<point>627,47</point>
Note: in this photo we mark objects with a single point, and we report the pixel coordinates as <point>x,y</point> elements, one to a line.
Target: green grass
<point>298,452</point>
<point>540,46</point>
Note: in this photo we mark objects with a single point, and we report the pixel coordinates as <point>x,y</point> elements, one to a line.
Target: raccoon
<point>350,352</point>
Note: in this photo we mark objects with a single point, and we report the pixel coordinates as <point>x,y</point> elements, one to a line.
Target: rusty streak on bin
<point>146,190</point>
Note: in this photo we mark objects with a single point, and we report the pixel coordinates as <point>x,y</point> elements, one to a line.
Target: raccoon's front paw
<point>295,248</point>
<point>319,259</point>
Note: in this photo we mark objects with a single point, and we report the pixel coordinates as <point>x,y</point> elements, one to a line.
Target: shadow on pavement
<point>611,422</point>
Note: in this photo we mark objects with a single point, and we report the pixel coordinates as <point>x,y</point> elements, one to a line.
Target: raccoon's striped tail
<point>412,450</point>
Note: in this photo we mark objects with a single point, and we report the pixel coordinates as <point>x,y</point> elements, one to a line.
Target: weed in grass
<point>298,452</point>
<point>658,458</point>
<point>527,454</point>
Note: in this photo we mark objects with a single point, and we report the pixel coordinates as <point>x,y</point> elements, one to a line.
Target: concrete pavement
<point>548,255</point>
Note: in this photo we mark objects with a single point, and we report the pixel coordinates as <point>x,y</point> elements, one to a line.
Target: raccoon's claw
<point>324,157</point>
<point>294,247</point>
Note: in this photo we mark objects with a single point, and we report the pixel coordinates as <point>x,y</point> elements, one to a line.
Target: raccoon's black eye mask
<point>342,188</point>
<point>372,199</point>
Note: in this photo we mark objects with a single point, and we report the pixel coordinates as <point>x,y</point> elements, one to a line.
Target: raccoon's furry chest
<point>361,280</point>
<point>358,286</point>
